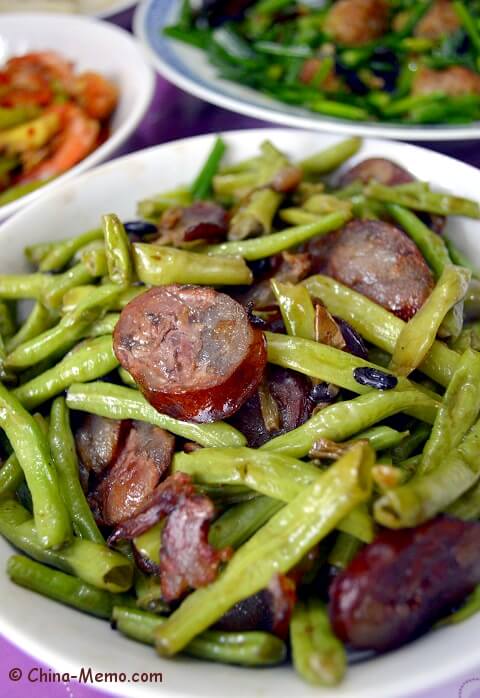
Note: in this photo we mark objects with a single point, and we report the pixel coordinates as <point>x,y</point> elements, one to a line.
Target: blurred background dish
<point>92,46</point>
<point>103,9</point>
<point>188,67</point>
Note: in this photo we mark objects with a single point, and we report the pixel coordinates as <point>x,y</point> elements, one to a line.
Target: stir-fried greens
<point>249,421</point>
<point>408,61</point>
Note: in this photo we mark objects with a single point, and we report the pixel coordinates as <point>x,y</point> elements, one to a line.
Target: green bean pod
<point>62,587</point>
<point>318,656</point>
<point>277,547</point>
<point>238,523</point>
<point>119,402</point>
<point>244,649</point>
<point>62,447</point>
<point>255,218</point>
<point>93,563</point>
<point>39,320</point>
<point>31,448</point>
<point>428,201</point>
<point>332,157</point>
<point>158,266</point>
<point>118,250</point>
<point>63,252</point>
<point>297,309</point>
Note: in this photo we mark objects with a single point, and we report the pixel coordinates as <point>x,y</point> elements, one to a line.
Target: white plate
<point>188,68</point>
<point>103,9</point>
<point>91,45</point>
<point>67,640</point>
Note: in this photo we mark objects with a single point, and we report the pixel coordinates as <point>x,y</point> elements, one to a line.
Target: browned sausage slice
<point>378,260</point>
<point>381,170</point>
<point>99,440</point>
<point>192,351</point>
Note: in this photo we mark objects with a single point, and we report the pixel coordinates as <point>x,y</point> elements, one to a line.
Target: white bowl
<point>91,45</point>
<point>67,640</point>
<point>103,9</point>
<point>188,68</point>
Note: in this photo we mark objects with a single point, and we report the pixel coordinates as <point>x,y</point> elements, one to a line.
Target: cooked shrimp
<point>78,137</point>
<point>30,78</point>
<point>96,95</point>
<point>356,22</point>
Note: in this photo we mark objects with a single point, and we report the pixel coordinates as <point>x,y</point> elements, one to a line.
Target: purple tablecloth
<point>174,114</point>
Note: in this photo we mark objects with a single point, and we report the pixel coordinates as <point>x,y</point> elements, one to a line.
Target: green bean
<point>18,286</point>
<point>276,242</point>
<point>318,655</point>
<point>158,266</point>
<point>76,295</point>
<point>62,587</point>
<point>154,206</point>
<point>89,361</point>
<point>297,309</point>
<point>297,216</point>
<point>202,186</point>
<point>382,437</point>
<point>342,420</point>
<point>378,326</point>
<point>148,543</point>
<point>118,402</point>
<point>117,250</point>
<point>63,252</point>
<point>422,497</point>
<point>93,563</point>
<point>255,217</point>
<point>244,648</point>
<point>236,185</point>
<point>418,335</point>
<point>339,110</point>
<point>60,284</point>
<point>105,325</point>
<point>413,442</point>
<point>431,202</point>
<point>7,322</point>
<point>333,366</point>
<point>329,159</point>
<point>344,550</point>
<point>11,476</point>
<point>38,251</point>
<point>277,547</point>
<point>431,245</point>
<point>62,447</point>
<point>126,378</point>
<point>239,523</point>
<point>31,447</point>
<point>458,411</point>
<point>69,330</point>
<point>39,320</point>
<point>94,257</point>
<point>467,507</point>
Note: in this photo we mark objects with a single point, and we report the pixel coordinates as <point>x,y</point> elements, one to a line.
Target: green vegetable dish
<point>397,61</point>
<point>245,426</point>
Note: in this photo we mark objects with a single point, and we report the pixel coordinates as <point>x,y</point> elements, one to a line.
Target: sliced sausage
<point>142,463</point>
<point>203,220</point>
<point>439,20</point>
<point>98,441</point>
<point>378,260</point>
<point>453,81</point>
<point>192,351</point>
<point>398,586</point>
<point>291,392</point>
<point>381,170</point>
<point>357,22</point>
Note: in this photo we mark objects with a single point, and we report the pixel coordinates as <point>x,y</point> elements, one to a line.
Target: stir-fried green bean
<point>117,250</point>
<point>240,522</point>
<point>118,402</point>
<point>202,186</point>
<point>63,252</point>
<point>431,202</point>
<point>418,335</point>
<point>256,216</point>
<point>378,326</point>
<point>329,159</point>
<point>318,656</point>
<point>275,548</point>
<point>276,242</point>
<point>31,448</point>
<point>39,320</point>
<point>297,309</point>
<point>244,648</point>
<point>93,563</point>
<point>90,360</point>
<point>157,266</point>
<point>62,587</point>
<point>62,447</point>
<point>467,507</point>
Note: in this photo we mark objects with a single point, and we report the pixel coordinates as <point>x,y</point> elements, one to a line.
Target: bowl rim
<point>411,685</point>
<point>209,93</point>
<point>136,113</point>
